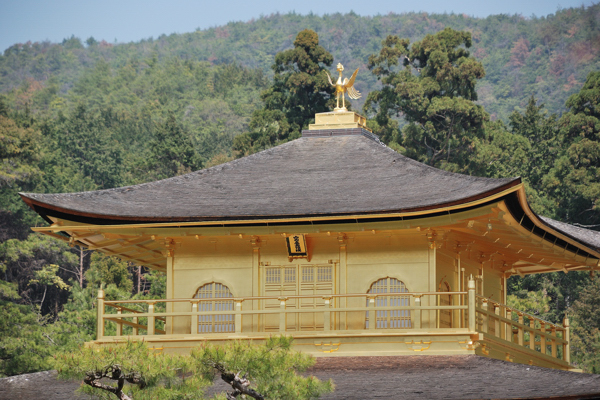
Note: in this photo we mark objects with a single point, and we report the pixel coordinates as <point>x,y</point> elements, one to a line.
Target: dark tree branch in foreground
<point>240,385</point>
<point>270,368</point>
<point>115,373</point>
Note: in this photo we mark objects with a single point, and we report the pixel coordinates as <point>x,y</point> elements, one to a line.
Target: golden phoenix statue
<point>345,86</point>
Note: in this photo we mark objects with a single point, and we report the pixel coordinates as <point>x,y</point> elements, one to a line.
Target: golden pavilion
<point>336,240</point>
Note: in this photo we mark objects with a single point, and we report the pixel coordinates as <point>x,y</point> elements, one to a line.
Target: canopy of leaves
<point>272,367</point>
<point>585,322</point>
<point>146,373</point>
<point>576,176</point>
<point>434,92</point>
<point>300,89</point>
<point>154,375</point>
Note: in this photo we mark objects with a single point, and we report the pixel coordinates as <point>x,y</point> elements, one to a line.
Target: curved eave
<point>47,211</point>
<point>540,224</point>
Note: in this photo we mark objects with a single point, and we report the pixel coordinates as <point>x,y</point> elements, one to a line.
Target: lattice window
<point>308,274</point>
<point>219,322</point>
<point>273,275</point>
<point>393,319</point>
<point>290,275</point>
<point>324,274</point>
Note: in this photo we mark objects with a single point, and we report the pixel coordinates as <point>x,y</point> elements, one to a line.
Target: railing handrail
<point>315,296</point>
<point>287,310</point>
<point>110,304</point>
<point>525,327</point>
<point>519,312</point>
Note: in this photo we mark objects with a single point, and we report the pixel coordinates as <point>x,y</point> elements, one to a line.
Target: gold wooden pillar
<point>169,243</point>
<point>256,282</point>
<point>567,338</point>
<point>431,315</point>
<point>100,311</point>
<point>342,287</point>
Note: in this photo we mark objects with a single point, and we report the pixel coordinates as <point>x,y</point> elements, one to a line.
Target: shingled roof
<point>425,377</point>
<point>310,176</point>
<point>583,235</point>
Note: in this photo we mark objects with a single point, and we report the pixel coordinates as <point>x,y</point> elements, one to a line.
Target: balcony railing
<point>284,314</point>
<point>517,327</point>
<point>400,313</point>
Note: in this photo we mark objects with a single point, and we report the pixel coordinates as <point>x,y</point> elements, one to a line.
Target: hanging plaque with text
<point>296,245</point>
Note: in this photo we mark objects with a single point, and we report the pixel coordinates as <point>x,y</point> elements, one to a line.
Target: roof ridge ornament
<point>342,87</point>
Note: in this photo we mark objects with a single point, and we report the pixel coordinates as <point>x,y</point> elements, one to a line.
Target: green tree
<point>26,261</point>
<point>172,151</point>
<point>300,89</point>
<point>434,92</point>
<point>76,323</point>
<point>267,371</point>
<point>109,271</point>
<point>499,153</point>
<point>23,346</point>
<point>575,180</point>
<point>540,129</point>
<point>137,371</point>
<point>81,142</point>
<point>19,152</point>
<point>19,171</point>
<point>585,333</point>
<point>47,277</point>
<point>560,290</point>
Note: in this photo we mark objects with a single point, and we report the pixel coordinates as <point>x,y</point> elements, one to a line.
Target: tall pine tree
<point>300,90</point>
<point>434,91</point>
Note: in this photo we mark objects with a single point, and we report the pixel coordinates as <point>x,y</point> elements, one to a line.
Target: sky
<point>133,20</point>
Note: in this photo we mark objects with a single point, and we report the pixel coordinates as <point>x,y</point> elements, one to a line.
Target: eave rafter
<point>141,250</point>
<point>486,230</point>
<point>496,240</point>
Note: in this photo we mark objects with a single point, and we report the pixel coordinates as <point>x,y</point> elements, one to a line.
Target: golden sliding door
<point>312,282</point>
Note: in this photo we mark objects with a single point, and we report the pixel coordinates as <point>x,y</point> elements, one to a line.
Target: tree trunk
<point>80,272</point>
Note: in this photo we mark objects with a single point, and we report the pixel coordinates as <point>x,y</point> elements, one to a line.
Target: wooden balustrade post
<point>471,287</point>
<point>136,330</point>
<point>553,343</point>
<point>372,313</point>
<point>567,338</point>
<point>238,316</point>
<point>543,348</point>
<point>120,323</point>
<point>417,317</point>
<point>327,314</point>
<point>508,335</point>
<point>151,318</point>
<point>100,311</point>
<point>532,333</point>
<point>497,331</point>
<point>520,335</point>
<point>485,318</point>
<point>194,319</point>
<point>282,314</point>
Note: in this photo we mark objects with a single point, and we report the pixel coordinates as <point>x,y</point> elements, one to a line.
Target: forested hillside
<point>547,57</point>
<point>86,115</point>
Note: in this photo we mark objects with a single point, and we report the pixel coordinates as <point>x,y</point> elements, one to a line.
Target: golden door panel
<point>294,280</point>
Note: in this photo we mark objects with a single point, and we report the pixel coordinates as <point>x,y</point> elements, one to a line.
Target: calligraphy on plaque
<point>296,245</point>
